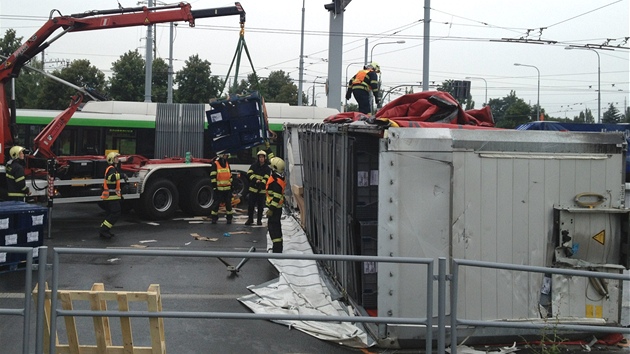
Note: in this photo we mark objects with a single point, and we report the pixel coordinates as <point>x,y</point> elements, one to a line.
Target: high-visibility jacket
<point>365,80</point>
<point>258,175</point>
<point>111,184</point>
<point>221,177</point>
<point>16,181</point>
<point>275,191</point>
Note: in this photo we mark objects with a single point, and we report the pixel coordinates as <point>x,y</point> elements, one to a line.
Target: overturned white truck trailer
<point>549,199</point>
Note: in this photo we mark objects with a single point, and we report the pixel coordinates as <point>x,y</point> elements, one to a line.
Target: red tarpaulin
<point>424,109</point>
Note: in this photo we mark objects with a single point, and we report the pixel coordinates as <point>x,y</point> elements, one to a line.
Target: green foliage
<point>28,86</point>
<point>510,111</point>
<point>279,87</point>
<point>159,76</point>
<point>611,115</point>
<point>54,95</point>
<point>9,43</point>
<point>352,107</point>
<point>127,81</point>
<point>195,83</point>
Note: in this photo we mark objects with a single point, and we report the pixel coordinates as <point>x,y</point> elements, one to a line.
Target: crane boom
<point>88,21</point>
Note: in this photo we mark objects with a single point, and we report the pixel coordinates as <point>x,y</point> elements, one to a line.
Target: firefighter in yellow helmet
<point>275,200</point>
<point>257,176</point>
<point>361,84</point>
<point>16,180</point>
<point>221,178</point>
<point>111,196</point>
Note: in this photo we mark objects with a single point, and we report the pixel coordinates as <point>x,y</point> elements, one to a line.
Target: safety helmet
<point>261,153</point>
<point>375,66</point>
<point>277,164</point>
<point>15,151</point>
<point>111,156</point>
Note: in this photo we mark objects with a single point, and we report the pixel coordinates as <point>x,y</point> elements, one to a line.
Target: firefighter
<point>275,200</point>
<point>16,180</point>
<point>221,178</point>
<point>111,196</point>
<point>361,84</point>
<point>257,175</point>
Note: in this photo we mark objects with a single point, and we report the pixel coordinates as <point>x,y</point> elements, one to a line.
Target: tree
<point>159,86</point>
<point>55,95</point>
<point>195,83</point>
<point>510,111</point>
<point>27,83</point>
<point>626,115</point>
<point>611,115</point>
<point>279,87</point>
<point>128,74</point>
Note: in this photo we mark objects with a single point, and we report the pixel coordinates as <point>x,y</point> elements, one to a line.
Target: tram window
<point>65,144</point>
<point>90,141</point>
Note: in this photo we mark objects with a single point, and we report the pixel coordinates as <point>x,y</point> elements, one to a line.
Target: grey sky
<point>468,38</point>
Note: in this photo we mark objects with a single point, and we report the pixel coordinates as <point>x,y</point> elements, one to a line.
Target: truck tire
<point>196,198</point>
<point>240,185</point>
<point>159,200</point>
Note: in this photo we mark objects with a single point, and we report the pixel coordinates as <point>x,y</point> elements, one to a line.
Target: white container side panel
<point>501,209</point>
<point>503,212</point>
<point>413,221</point>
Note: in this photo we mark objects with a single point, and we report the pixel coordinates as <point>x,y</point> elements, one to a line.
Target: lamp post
<point>486,82</point>
<point>314,81</point>
<point>538,95</point>
<point>377,44</point>
<point>599,82</point>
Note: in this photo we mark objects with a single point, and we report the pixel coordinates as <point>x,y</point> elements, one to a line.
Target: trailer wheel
<point>159,200</point>
<point>240,185</point>
<point>197,197</point>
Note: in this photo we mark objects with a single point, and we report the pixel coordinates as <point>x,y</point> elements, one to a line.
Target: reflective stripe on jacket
<point>275,191</point>
<point>258,172</point>
<point>365,80</point>
<point>112,179</point>
<point>16,181</point>
<point>222,177</point>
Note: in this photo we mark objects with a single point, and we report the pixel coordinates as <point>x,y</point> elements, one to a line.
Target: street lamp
<point>486,82</point>
<point>314,81</point>
<point>599,82</point>
<point>538,96</point>
<point>377,44</point>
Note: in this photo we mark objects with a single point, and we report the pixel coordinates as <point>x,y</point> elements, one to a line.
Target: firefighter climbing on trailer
<point>361,84</point>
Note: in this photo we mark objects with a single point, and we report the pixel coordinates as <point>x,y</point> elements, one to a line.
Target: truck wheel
<point>159,200</point>
<point>240,185</point>
<point>197,198</point>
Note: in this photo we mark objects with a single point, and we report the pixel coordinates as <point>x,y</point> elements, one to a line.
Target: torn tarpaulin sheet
<point>299,290</point>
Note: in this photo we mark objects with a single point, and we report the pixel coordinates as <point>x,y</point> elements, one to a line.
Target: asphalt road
<point>187,284</point>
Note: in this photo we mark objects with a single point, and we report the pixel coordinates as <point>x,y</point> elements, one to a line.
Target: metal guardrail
<point>28,286</point>
<point>442,278</point>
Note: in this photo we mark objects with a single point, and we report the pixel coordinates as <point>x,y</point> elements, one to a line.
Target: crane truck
<point>156,187</point>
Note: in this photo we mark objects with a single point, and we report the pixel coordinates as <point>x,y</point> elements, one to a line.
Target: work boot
<point>105,234</point>
<point>214,221</point>
<point>249,222</point>
<point>259,222</point>
<point>229,221</point>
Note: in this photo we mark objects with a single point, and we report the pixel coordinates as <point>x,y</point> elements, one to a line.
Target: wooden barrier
<point>97,298</point>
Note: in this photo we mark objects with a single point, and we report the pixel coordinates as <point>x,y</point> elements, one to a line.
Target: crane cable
<point>237,56</point>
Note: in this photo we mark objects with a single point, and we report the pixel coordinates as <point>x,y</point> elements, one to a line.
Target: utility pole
<point>148,66</point>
